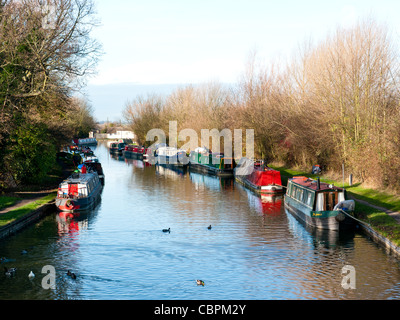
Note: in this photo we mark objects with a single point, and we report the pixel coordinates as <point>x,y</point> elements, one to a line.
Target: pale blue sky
<point>152,42</point>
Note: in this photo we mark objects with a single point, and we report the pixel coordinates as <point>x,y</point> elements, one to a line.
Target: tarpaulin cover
<point>265,178</point>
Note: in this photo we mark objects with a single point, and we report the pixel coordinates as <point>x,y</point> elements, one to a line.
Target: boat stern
<point>67,205</point>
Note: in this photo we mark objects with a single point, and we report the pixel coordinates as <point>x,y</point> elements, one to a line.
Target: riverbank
<point>26,204</point>
<point>24,213</point>
<point>378,211</point>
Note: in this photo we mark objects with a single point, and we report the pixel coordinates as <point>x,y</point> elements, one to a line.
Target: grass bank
<point>377,219</point>
<point>7,201</point>
<point>14,215</point>
<point>60,170</point>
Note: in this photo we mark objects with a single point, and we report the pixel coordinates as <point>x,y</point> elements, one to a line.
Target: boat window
<point>299,195</point>
<point>305,195</point>
<point>289,189</point>
<point>83,192</point>
<point>293,191</point>
<point>309,196</point>
<point>320,202</point>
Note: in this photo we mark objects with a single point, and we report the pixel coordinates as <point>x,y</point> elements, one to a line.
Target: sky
<point>154,46</point>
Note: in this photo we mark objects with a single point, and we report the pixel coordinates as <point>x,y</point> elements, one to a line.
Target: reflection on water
<point>255,249</point>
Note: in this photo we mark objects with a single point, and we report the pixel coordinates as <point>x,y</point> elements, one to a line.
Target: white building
<point>117,135</point>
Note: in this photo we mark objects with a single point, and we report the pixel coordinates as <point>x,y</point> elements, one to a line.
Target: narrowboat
<point>319,204</point>
<point>134,151</point>
<point>211,163</point>
<point>87,152</point>
<point>117,147</point>
<point>258,177</point>
<point>93,164</point>
<point>172,156</point>
<point>87,142</point>
<point>150,154</point>
<point>79,192</point>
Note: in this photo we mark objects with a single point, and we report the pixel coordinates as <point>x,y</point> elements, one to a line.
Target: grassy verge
<point>379,220</point>
<point>20,212</point>
<point>8,201</point>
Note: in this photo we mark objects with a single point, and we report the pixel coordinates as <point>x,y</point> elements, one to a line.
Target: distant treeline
<point>334,102</point>
<point>45,50</point>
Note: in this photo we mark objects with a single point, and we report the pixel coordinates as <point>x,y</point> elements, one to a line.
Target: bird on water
<point>200,282</point>
<point>209,227</point>
<point>167,230</point>
<point>10,272</point>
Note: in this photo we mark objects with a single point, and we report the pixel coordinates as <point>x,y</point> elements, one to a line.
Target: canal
<point>254,250</point>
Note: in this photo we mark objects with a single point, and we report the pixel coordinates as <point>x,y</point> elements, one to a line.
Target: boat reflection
<point>140,164</point>
<point>170,171</point>
<point>117,157</point>
<point>211,182</point>
<point>72,223</point>
<point>269,204</point>
<point>266,204</point>
<point>319,238</point>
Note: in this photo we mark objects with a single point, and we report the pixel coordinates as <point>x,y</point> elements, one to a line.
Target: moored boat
<point>93,164</point>
<point>87,142</point>
<point>211,163</point>
<point>117,147</point>
<point>79,192</point>
<point>150,155</point>
<point>319,204</point>
<point>171,156</point>
<point>258,177</point>
<point>134,151</point>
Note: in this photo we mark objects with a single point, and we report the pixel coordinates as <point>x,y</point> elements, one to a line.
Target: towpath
<point>27,197</point>
<point>394,214</point>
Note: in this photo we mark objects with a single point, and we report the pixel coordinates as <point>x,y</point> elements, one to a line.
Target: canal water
<point>254,250</point>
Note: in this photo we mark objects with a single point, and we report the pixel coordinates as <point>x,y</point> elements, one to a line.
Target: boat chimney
<point>318,184</point>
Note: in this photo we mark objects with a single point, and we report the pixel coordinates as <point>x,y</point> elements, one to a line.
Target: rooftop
<point>312,184</point>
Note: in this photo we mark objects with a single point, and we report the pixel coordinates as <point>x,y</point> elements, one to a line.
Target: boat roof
<point>312,184</point>
<point>80,178</point>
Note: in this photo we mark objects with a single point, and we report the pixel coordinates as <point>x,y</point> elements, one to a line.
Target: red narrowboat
<point>134,151</point>
<point>258,177</point>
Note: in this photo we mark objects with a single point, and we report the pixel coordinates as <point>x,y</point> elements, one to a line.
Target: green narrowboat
<point>319,204</point>
<point>211,163</point>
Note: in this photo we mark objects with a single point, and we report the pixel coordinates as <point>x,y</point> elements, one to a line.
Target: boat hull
<point>77,205</point>
<point>327,220</point>
<point>116,151</point>
<point>134,155</point>
<point>203,168</point>
<point>270,189</point>
<point>179,161</point>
